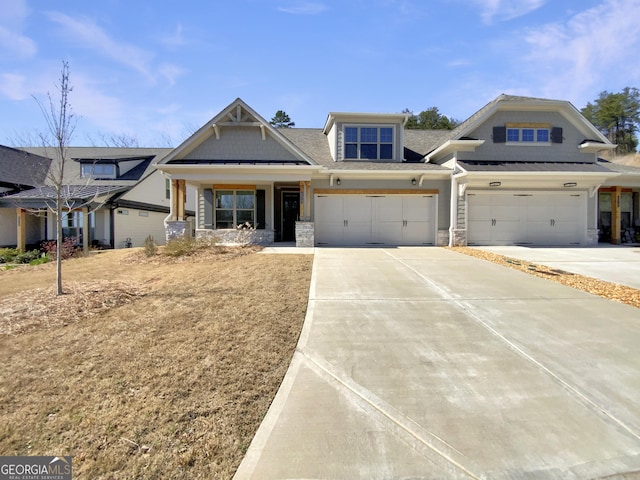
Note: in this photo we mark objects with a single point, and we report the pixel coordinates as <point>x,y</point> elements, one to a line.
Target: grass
<point>163,369</point>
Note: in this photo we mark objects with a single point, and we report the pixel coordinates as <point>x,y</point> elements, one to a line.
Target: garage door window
<point>234,207</point>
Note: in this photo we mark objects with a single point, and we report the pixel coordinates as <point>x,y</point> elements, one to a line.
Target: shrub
<point>8,255</point>
<point>150,247</point>
<point>68,249</point>
<point>40,260</point>
<point>182,246</point>
<point>27,257</point>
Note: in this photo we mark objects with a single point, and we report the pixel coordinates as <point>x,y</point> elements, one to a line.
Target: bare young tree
<point>61,125</point>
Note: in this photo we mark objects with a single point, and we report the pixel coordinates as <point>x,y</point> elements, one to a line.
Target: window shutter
<point>207,195</point>
<point>499,134</point>
<point>556,135</point>
<point>260,214</point>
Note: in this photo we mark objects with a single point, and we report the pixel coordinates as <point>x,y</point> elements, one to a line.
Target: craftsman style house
<point>113,197</point>
<point>521,170</point>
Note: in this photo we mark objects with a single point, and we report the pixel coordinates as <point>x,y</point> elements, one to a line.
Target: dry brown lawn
<point>162,369</point>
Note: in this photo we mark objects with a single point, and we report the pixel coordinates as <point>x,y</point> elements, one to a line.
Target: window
<point>98,170</point>
<point>527,135</point>
<point>368,143</point>
<point>167,188</point>
<point>234,207</point>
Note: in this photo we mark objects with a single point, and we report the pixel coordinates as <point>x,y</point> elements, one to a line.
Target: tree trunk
<point>59,249</point>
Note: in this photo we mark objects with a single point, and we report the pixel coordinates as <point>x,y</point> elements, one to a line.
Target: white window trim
<point>378,126</point>
<point>534,143</point>
<point>235,208</point>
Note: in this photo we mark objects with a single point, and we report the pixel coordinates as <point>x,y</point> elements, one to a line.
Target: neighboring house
<point>519,171</point>
<point>19,171</point>
<point>115,198</point>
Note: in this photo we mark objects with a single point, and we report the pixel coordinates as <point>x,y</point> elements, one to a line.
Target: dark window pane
<point>351,150</point>
<point>368,134</point>
<point>351,134</point>
<point>513,135</point>
<point>527,134</point>
<point>224,218</point>
<point>224,199</point>
<point>542,135</point>
<point>386,135</point>
<point>386,151</point>
<point>369,151</point>
<point>245,200</point>
<point>245,216</point>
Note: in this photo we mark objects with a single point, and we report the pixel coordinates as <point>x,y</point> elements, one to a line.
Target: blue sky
<point>157,70</point>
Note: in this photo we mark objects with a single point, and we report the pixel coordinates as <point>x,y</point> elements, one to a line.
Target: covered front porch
<point>242,211</point>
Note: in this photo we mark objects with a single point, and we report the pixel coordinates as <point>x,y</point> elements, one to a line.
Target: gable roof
<point>236,114</point>
<point>20,169</point>
<point>515,102</point>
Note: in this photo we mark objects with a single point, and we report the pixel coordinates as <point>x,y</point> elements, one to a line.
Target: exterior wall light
<point>495,184</point>
<point>570,184</point>
<point>413,181</point>
<point>338,181</point>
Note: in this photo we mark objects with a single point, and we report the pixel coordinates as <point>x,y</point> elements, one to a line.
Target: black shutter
<point>556,135</point>
<point>207,195</point>
<point>499,134</point>
<point>260,203</point>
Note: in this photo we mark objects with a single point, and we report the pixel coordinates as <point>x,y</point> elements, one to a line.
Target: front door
<point>290,212</point>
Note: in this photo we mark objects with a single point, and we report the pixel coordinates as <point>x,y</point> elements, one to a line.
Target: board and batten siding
<point>238,143</point>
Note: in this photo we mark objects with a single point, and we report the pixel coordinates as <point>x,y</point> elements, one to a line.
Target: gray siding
<point>240,143</point>
<point>567,151</point>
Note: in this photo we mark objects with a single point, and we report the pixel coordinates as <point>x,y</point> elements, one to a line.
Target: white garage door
<point>375,219</point>
<point>526,218</point>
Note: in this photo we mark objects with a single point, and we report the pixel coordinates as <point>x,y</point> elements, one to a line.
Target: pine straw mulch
<point>41,307</point>
<point>609,290</point>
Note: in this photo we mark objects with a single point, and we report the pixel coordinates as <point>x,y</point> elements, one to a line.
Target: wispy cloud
<point>13,42</point>
<point>569,60</point>
<point>176,39</point>
<point>503,10</point>
<point>171,72</point>
<point>90,35</point>
<point>13,86</point>
<point>304,8</point>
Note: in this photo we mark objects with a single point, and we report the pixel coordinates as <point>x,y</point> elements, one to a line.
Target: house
<point>114,197</point>
<point>520,171</point>
<point>15,178</point>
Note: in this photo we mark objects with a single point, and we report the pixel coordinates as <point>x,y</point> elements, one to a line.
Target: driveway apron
<point>426,363</point>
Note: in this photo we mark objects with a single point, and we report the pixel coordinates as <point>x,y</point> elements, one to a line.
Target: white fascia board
<point>451,146</point>
<point>364,118</point>
<point>177,171</point>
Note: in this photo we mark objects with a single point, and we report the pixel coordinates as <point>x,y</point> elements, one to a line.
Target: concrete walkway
<point>425,363</point>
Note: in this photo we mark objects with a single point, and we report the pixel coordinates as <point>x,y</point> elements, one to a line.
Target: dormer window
<point>98,170</point>
<point>528,135</point>
<point>368,142</point>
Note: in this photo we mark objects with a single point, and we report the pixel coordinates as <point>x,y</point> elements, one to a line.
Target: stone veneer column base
<point>443,238</point>
<point>459,238</point>
<point>592,236</point>
<point>177,229</point>
<point>305,234</point>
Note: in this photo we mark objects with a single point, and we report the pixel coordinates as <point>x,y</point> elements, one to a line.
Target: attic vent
<point>556,135</point>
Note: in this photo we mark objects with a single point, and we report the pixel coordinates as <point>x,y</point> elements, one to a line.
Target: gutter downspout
<point>453,207</point>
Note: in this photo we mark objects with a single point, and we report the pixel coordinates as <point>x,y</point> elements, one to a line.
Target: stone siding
<point>177,229</point>
<point>237,237</point>
<point>305,234</point>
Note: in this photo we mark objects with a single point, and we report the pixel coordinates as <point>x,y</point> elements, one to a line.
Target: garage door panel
<point>375,219</point>
<point>543,218</point>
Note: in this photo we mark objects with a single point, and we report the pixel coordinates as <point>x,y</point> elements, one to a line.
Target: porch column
<point>178,199</point>
<point>305,201</point>
<point>616,217</point>
<point>85,229</point>
<point>22,229</point>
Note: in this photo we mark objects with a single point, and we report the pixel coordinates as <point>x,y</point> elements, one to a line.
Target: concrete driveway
<point>612,263</point>
<point>426,363</point>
